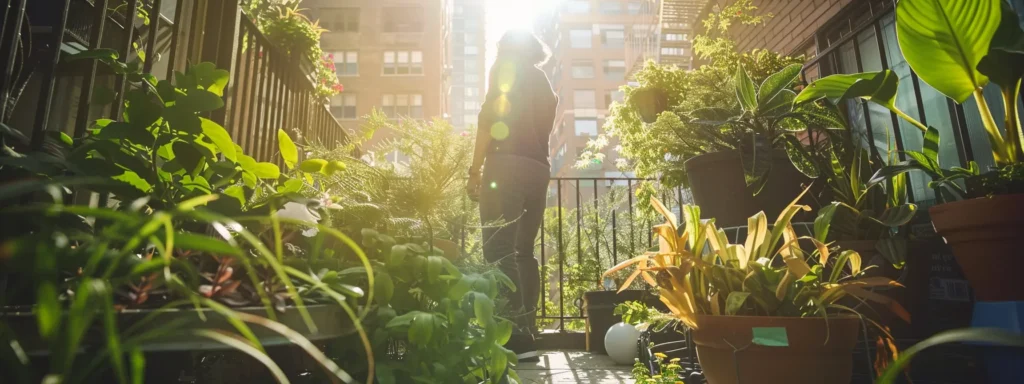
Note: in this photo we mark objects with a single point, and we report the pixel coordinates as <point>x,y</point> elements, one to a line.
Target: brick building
<point>469,64</point>
<point>390,54</point>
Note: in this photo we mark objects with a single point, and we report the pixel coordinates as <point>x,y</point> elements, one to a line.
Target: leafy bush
<point>445,318</point>
<point>657,146</point>
<point>162,239</point>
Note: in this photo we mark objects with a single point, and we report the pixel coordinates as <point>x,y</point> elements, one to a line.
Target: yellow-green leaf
<point>289,152</point>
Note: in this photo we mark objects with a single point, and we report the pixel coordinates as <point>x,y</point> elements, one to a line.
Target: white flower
<point>300,212</point>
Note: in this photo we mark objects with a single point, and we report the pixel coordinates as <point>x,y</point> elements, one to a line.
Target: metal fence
<point>41,92</point>
<point>591,224</point>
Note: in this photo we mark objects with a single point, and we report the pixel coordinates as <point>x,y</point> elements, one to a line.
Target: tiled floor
<point>574,367</point>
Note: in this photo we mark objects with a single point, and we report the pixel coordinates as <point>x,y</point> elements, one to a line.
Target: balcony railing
<point>40,92</point>
<point>590,225</point>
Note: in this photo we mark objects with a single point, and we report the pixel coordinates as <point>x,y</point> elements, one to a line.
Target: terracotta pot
<point>987,238</point>
<point>718,187</point>
<point>817,352</point>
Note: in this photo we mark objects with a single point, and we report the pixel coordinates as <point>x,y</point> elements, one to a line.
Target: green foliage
<point>295,35</point>
<point>165,240</point>
<point>636,313</point>
<point>669,371</point>
<point>445,318</point>
<point>655,144</point>
<point>953,47</point>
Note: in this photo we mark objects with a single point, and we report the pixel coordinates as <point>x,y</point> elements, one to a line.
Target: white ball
<point>620,342</point>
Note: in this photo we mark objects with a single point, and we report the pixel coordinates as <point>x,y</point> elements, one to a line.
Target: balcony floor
<point>574,367</point>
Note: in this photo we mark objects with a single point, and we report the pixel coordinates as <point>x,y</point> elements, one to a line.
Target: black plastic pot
<point>718,187</point>
<point>599,307</point>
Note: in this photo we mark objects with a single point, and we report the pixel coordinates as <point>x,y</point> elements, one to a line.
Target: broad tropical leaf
<point>968,335</point>
<point>944,40</point>
<point>777,82</point>
<point>745,92</point>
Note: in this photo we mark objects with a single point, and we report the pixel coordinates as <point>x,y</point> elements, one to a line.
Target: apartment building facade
<point>469,63</point>
<point>850,36</point>
<point>679,21</point>
<point>588,40</point>
<point>390,55</point>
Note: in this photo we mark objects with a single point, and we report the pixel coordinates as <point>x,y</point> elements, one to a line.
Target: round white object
<point>620,342</point>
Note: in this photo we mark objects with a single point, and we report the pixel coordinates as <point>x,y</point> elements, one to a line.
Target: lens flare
<point>502,106</point>
<point>499,131</point>
<point>506,76</point>
<point>494,185</point>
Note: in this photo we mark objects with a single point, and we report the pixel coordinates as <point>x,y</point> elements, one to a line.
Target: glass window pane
<point>417,99</point>
<point>417,56</point>
<point>585,127</point>
<point>402,100</point>
<point>403,57</point>
<point>389,100</point>
<point>580,38</point>
<point>389,57</point>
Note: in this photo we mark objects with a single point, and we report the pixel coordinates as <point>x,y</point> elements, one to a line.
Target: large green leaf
<point>207,75</point>
<point>220,137</point>
<point>878,87</point>
<point>969,335</point>
<point>259,169</point>
<point>188,157</point>
<point>823,222</point>
<point>734,302</point>
<point>897,216</point>
<point>289,152</point>
<point>200,100</point>
<point>777,82</point>
<point>944,40</point>
<point>745,92</point>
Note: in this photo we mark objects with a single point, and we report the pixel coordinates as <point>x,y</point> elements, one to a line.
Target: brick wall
<point>791,30</point>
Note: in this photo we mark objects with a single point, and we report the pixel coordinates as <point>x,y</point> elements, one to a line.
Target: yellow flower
<point>660,355</point>
<point>675,360</point>
<point>679,382</point>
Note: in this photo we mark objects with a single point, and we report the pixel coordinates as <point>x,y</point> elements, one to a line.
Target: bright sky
<point>503,15</point>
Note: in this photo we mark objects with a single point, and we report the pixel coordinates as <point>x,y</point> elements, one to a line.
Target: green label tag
<point>771,336</point>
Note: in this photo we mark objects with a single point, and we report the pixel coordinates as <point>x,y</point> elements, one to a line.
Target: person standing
<point>512,149</point>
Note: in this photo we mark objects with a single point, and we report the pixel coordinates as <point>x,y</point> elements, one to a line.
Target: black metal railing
<point>591,224</point>
<point>41,93</point>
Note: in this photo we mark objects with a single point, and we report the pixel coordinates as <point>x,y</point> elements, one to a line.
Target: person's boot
<point>524,345</point>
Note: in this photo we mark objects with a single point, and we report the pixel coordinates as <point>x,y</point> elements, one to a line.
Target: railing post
<point>220,42</point>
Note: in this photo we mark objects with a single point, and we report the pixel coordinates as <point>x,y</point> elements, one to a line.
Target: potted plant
<point>762,310</point>
<point>727,129</point>
<point>168,262</point>
<point>982,214</point>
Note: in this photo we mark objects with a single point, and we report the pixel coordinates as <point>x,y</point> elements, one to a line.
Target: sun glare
<point>504,15</point>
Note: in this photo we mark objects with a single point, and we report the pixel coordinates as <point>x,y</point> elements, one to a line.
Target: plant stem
<point>1014,136</point>
<point>995,139</point>
<point>911,120</point>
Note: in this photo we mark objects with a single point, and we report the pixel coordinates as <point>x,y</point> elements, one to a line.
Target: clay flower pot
<point>814,352</point>
<point>987,238</point>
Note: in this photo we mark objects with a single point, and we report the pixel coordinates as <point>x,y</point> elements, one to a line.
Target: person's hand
<point>473,186</point>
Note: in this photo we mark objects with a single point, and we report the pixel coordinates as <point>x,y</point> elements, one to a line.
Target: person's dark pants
<point>512,199</point>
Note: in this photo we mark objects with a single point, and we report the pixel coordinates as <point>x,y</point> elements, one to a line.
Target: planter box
<point>331,322</point>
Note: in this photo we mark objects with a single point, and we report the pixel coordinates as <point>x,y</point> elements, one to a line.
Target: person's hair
<point>522,45</point>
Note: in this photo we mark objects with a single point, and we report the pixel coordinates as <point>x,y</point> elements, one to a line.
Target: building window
<point>578,6</point>
<point>613,97</point>
<point>613,36</point>
<point>472,79</point>
<point>584,99</point>
<point>580,38</point>
<point>403,105</point>
<point>585,127</point>
<point>471,50</point>
<point>634,7</point>
<point>339,19</point>
<point>343,106</point>
<point>402,19</point>
<point>346,63</point>
<point>615,70</point>
<point>676,37</point>
<point>611,7</point>
<point>472,92</point>
<point>583,70</point>
<point>672,51</point>
<point>403,63</point>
